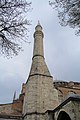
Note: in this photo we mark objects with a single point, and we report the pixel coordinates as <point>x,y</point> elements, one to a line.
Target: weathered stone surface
<point>40,93</point>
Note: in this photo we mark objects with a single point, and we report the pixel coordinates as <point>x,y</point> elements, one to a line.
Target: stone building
<point>41,97</point>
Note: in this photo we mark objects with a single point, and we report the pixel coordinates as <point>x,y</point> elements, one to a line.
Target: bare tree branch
<point>13,25</point>
<point>68,12</point>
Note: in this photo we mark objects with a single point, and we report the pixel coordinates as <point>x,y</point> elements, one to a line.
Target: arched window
<point>63,116</point>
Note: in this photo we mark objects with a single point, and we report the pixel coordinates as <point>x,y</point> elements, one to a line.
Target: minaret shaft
<point>38,44</point>
<point>38,63</point>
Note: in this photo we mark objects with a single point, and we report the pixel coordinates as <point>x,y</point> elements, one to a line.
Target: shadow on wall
<point>63,116</point>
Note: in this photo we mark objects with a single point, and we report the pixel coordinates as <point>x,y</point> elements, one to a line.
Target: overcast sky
<point>62,53</point>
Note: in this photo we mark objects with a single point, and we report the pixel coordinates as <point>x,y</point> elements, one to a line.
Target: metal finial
<point>38,22</point>
<point>38,27</point>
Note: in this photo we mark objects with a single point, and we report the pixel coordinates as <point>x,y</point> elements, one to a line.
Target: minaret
<point>40,93</point>
<point>39,66</point>
<point>14,97</point>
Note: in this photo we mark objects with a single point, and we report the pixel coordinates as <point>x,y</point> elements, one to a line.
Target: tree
<point>68,13</point>
<point>13,25</point>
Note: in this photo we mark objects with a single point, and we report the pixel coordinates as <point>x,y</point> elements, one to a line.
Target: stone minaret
<point>40,93</point>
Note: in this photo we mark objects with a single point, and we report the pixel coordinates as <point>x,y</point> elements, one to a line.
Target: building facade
<point>42,97</point>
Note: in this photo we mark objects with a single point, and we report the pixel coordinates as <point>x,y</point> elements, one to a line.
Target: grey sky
<point>62,53</point>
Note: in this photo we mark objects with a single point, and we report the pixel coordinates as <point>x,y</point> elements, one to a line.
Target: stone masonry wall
<point>40,95</point>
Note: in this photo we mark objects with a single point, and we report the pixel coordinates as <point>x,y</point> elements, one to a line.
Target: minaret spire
<point>14,97</point>
<point>38,62</point>
<point>38,41</point>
